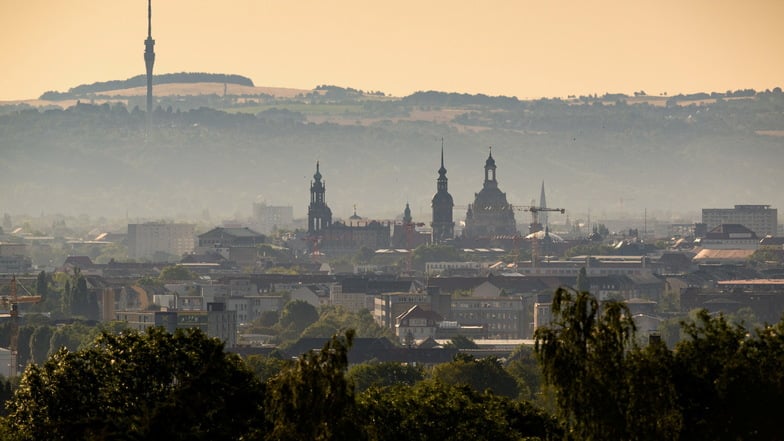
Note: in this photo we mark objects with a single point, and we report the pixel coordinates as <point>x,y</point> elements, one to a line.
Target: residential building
<point>158,241</point>
<point>271,217</point>
<point>761,219</point>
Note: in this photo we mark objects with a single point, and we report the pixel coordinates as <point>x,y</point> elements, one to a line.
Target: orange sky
<point>528,49</point>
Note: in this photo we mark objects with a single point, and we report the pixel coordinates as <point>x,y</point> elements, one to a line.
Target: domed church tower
<point>490,215</point>
<point>443,226</point>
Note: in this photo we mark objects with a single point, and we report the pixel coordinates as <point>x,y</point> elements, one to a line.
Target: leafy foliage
<point>366,375</point>
<point>316,388</point>
<point>431,410</point>
<point>485,374</point>
<point>137,386</point>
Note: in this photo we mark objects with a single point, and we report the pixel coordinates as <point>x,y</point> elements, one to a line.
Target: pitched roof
<point>417,312</point>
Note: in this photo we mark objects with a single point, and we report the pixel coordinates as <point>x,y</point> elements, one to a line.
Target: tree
<point>583,282</point>
<point>138,386</point>
<point>582,356</point>
<point>296,316</point>
<point>315,387</point>
<point>486,374</point>
<point>42,285</point>
<point>266,367</point>
<point>366,375</point>
<point>176,272</point>
<point>524,368</point>
<point>40,341</point>
<point>434,411</point>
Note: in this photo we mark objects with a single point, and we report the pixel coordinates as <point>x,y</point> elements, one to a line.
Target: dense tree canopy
<point>137,386</point>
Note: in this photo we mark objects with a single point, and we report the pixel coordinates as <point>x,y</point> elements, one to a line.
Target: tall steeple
<point>319,214</point>
<point>407,215</point>
<point>443,226</point>
<point>149,58</point>
<point>543,204</point>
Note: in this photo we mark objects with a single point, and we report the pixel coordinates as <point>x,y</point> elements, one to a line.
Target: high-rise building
<point>761,219</point>
<point>270,217</point>
<point>158,241</point>
<point>443,226</point>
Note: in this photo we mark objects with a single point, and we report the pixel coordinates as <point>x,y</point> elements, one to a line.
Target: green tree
<point>176,273</point>
<point>296,316</point>
<point>435,253</point>
<point>582,356</point>
<point>40,341</point>
<point>435,411</point>
<point>366,375</point>
<point>42,285</point>
<point>524,368</point>
<point>138,386</point>
<point>266,367</point>
<point>335,320</point>
<point>315,387</point>
<point>485,374</point>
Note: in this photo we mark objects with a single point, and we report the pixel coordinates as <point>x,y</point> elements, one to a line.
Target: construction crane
<point>11,303</point>
<point>536,227</point>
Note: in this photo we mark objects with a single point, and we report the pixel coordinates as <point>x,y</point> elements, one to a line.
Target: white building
<point>160,241</point>
<point>270,217</point>
<point>761,219</point>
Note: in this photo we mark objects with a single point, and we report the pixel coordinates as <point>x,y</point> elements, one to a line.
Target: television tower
<point>149,59</point>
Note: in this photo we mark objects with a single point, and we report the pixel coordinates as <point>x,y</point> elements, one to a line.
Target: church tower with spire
<point>319,214</point>
<point>491,215</point>
<point>149,58</point>
<point>443,226</point>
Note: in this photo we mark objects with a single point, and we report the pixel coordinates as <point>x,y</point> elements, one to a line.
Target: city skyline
<point>523,49</point>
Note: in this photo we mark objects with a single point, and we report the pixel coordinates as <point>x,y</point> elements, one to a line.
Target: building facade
<point>761,219</point>
<point>160,241</point>
<point>269,218</point>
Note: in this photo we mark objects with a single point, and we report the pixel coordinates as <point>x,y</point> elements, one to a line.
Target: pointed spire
<point>442,170</point>
<point>317,176</point>
<point>543,218</point>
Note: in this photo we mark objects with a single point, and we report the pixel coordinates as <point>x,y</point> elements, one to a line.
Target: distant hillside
<point>141,80</point>
<point>217,154</point>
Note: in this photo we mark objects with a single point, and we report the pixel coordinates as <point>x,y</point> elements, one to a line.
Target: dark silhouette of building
<point>319,214</point>
<point>490,216</point>
<point>149,58</point>
<point>443,226</point>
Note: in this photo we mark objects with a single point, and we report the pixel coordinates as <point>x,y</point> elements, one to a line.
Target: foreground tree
<point>582,356</point>
<point>312,400</point>
<point>431,410</point>
<point>138,386</point>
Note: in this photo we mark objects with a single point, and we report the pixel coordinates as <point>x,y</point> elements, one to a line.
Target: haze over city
<point>529,50</point>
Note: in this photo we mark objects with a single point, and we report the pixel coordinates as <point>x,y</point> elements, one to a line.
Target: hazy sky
<point>528,49</point>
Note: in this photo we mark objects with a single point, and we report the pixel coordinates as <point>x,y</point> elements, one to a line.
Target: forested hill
<point>596,156</point>
<point>141,80</point>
